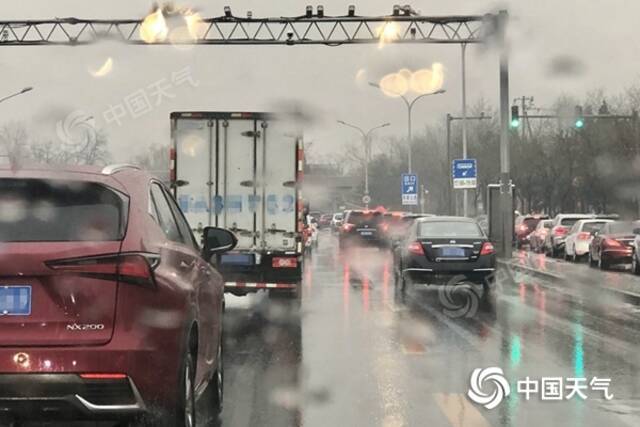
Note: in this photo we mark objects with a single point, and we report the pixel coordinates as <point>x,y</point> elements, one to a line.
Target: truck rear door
<point>239,171</point>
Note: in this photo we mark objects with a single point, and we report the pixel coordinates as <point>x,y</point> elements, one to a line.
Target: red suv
<point>108,307</point>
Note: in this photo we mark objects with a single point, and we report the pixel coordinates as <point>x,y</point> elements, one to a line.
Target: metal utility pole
<point>450,118</point>
<point>465,201</point>
<point>506,191</point>
<point>366,140</point>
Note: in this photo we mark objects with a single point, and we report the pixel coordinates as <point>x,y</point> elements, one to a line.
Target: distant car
<point>324,221</point>
<point>555,239</point>
<point>613,244</point>
<point>110,309</point>
<point>438,249</point>
<point>524,226</point>
<point>361,228</point>
<point>392,226</point>
<point>579,237</point>
<point>336,221</point>
<point>539,234</point>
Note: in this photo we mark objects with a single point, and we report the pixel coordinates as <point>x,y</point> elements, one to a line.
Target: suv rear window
<point>36,210</point>
<point>370,218</point>
<point>568,222</point>
<point>446,229</point>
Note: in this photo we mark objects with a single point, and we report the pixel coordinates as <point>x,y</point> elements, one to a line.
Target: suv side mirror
<point>217,240</point>
<point>594,233</point>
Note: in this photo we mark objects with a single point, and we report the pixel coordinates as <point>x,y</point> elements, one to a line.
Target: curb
<point>558,278</point>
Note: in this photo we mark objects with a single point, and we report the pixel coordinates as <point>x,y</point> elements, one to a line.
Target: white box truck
<point>242,171</point>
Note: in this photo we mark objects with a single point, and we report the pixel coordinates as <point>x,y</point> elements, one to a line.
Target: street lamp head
<point>26,89</point>
<point>438,92</point>
<point>385,125</point>
<point>376,85</point>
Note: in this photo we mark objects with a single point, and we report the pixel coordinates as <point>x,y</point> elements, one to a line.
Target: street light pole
<point>410,105</point>
<point>25,90</point>
<point>366,139</point>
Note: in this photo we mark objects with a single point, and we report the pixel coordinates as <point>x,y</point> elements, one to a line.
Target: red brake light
<point>134,268</point>
<point>100,376</point>
<point>487,249</point>
<point>559,230</point>
<point>385,227</point>
<point>584,236</point>
<point>612,243</point>
<point>347,227</point>
<point>415,248</point>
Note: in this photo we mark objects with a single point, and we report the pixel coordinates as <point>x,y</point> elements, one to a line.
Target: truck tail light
<point>172,164</point>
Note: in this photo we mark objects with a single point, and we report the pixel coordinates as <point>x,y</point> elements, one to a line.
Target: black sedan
<point>438,249</point>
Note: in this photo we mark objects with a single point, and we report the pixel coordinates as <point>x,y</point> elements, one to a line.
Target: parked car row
<point>603,240</point>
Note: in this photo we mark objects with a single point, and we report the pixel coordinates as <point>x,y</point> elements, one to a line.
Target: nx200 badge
<point>85,327</point>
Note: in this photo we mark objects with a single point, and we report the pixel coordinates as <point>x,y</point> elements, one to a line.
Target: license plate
<point>278,262</point>
<point>237,259</point>
<point>366,233</point>
<point>453,252</point>
<point>15,300</point>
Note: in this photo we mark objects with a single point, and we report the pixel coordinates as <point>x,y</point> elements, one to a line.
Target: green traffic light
<point>579,123</point>
<point>515,123</point>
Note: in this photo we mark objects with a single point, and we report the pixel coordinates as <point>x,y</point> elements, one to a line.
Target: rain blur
<point>336,214</point>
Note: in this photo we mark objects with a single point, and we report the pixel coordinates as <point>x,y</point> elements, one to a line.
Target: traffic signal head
<point>515,116</point>
<point>579,123</point>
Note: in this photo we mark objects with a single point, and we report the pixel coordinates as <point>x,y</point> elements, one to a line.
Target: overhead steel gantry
<point>230,30</point>
<point>403,26</point>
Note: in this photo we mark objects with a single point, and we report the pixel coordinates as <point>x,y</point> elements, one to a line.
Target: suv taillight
<point>348,227</point>
<point>559,230</point>
<point>416,248</point>
<point>487,249</point>
<point>132,267</point>
<point>584,235</point>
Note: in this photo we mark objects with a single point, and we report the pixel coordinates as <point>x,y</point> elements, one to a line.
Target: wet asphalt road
<point>352,352</point>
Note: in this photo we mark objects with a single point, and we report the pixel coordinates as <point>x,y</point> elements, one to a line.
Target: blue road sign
<point>464,173</point>
<point>409,189</point>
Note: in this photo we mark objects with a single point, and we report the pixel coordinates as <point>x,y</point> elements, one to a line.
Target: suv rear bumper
<point>66,397</point>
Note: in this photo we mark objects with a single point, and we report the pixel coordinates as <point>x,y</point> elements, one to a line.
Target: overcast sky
<point>597,33</point>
